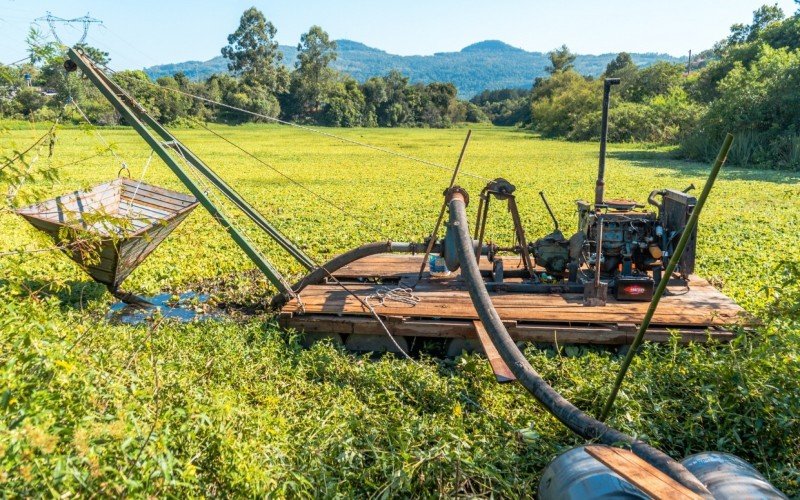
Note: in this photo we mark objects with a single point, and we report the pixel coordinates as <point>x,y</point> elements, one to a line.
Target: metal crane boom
<point>161,140</point>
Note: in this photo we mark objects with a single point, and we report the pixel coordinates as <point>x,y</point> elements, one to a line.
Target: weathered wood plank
<point>499,367</point>
<point>688,310</point>
<point>145,200</point>
<point>465,329</point>
<point>130,186</point>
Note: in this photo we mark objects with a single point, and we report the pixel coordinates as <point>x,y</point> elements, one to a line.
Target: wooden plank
<point>400,265</point>
<point>501,370</point>
<point>641,474</point>
<point>464,329</point>
<point>149,201</point>
<point>69,207</point>
<point>692,309</point>
<point>126,209</point>
<point>154,193</point>
<point>131,186</point>
<point>134,252</point>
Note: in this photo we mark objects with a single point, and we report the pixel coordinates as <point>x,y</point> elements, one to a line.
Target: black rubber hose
<point>568,414</point>
<point>319,274</point>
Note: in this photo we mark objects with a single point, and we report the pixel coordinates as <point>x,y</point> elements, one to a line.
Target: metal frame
<point>503,190</point>
<point>140,120</point>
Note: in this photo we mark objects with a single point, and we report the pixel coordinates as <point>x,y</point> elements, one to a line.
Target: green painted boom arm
<point>132,112</point>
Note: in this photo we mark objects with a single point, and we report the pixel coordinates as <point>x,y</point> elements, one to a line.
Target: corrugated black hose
<point>568,414</point>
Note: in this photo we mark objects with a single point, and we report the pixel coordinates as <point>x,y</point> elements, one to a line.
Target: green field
<point>238,407</point>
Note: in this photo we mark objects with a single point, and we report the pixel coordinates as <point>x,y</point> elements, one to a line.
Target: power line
<point>26,58</point>
<point>292,180</point>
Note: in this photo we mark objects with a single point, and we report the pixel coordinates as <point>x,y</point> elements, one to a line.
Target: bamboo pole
<point>662,285</point>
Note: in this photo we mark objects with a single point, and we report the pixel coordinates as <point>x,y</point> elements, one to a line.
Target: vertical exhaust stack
<point>600,186</point>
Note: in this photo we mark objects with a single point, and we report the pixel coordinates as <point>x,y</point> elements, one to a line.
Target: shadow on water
<point>685,168</point>
<point>78,295</point>
<point>186,307</point>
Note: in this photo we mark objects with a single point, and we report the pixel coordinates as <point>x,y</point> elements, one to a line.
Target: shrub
<point>760,104</point>
<point>563,101</point>
<point>28,101</point>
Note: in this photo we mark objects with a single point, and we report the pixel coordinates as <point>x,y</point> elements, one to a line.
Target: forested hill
<point>490,64</point>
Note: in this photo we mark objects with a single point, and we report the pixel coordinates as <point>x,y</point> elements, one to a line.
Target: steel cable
<point>302,186</point>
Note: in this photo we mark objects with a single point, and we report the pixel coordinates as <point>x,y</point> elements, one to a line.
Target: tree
<point>651,81</point>
<point>28,101</point>
<point>99,56</point>
<point>344,105</point>
<point>39,48</point>
<point>765,118</point>
<point>561,103</point>
<point>313,80</point>
<point>171,106</point>
<point>561,59</point>
<point>762,17</point>
<point>253,52</point>
<point>315,52</point>
<point>622,61</point>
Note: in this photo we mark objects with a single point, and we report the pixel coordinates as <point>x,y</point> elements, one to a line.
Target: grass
<point>236,407</point>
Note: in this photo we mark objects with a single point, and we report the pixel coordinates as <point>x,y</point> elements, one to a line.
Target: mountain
<point>490,64</point>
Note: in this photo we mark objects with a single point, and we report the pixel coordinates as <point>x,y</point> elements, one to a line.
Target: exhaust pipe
<point>600,186</point>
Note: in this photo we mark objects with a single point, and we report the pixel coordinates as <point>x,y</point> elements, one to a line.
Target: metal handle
<point>600,186</point>
<point>547,206</point>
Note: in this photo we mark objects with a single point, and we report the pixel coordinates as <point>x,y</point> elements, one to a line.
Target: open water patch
<point>186,308</point>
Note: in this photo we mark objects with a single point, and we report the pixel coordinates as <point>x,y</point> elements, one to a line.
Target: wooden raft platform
<point>445,310</point>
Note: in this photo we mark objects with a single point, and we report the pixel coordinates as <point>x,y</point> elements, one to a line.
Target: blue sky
<point>145,32</point>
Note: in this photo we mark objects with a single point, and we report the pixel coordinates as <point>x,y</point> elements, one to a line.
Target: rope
<point>26,58</point>
<point>318,196</point>
<point>302,186</point>
<point>311,129</point>
<point>99,136</point>
<point>210,191</point>
<point>400,294</point>
<point>406,292</point>
<point>22,251</point>
<point>36,143</point>
<point>144,171</point>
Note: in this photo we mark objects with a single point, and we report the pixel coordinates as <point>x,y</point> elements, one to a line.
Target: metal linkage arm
<point>132,112</point>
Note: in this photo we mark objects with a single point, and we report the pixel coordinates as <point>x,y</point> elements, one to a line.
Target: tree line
<point>311,93</point>
<point>748,84</point>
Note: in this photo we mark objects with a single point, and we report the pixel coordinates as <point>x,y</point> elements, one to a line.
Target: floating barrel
<point>126,219</point>
<point>728,476</point>
<point>577,475</point>
<point>596,471</point>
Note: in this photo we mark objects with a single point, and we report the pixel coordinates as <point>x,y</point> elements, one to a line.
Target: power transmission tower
<point>86,21</point>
